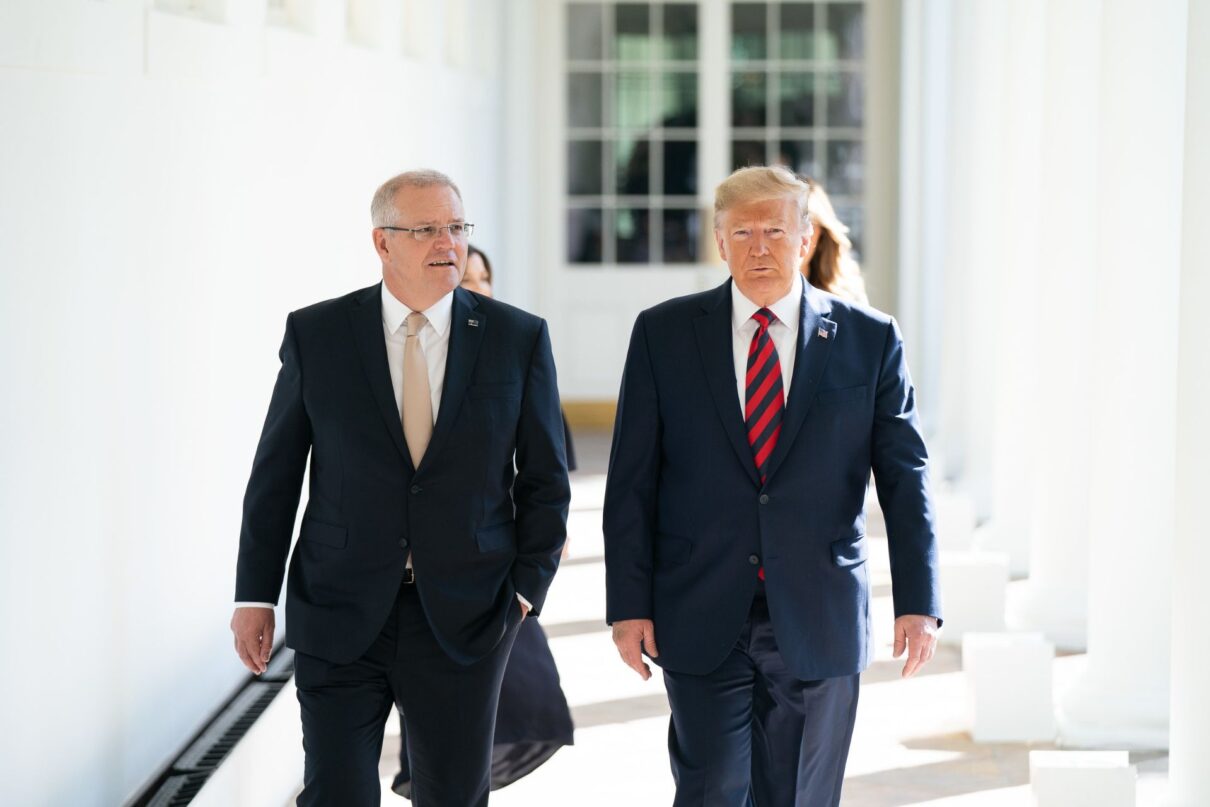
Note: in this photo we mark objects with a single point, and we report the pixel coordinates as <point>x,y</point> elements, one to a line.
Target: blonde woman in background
<point>829,264</point>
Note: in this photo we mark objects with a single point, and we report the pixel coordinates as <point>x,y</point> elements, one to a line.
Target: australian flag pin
<point>474,323</point>
<point>823,333</point>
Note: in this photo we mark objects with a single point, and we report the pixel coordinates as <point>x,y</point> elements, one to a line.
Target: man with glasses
<point>436,512</point>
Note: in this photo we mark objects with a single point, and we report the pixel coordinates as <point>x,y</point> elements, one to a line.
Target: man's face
<point>763,242</point>
<point>425,271</point>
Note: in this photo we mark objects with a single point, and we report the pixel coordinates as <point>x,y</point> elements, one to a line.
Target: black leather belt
<point>409,576</point>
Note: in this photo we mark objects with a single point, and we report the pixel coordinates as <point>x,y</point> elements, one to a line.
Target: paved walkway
<point>910,745</point>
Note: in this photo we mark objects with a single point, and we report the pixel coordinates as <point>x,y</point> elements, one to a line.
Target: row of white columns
<point>1189,725</point>
<point>1122,697</point>
<point>1072,310</point>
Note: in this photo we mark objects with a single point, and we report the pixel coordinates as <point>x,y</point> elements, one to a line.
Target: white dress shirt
<point>783,331</point>
<point>434,343</point>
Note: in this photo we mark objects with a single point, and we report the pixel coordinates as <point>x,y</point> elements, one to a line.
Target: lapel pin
<point>823,333</point>
<point>474,323</point>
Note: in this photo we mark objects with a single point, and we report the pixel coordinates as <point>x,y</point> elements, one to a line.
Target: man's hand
<point>253,629</point>
<point>918,635</point>
<point>631,636</point>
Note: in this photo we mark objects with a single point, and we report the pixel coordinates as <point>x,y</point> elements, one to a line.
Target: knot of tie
<point>415,322</point>
<point>763,318</point>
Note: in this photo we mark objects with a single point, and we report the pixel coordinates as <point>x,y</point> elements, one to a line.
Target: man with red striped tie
<point>749,420</point>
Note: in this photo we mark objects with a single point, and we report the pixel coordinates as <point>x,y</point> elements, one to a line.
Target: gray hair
<point>757,183</point>
<point>382,207</point>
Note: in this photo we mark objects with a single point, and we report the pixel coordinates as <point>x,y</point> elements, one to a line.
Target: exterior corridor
<point>911,746</point>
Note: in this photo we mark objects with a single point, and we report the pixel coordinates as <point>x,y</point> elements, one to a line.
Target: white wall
<point>169,189</point>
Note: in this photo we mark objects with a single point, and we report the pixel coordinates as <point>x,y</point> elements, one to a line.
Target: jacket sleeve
<point>629,520</point>
<point>541,490</point>
<point>900,463</point>
<point>271,499</point>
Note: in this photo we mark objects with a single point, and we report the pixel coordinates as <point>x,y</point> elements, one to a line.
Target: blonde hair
<point>757,183</point>
<point>831,266</point>
<point>382,206</point>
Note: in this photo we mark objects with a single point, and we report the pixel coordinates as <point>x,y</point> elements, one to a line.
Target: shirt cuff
<point>525,602</point>
<point>268,605</point>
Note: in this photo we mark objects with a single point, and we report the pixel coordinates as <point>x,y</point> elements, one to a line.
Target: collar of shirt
<point>788,309</point>
<point>394,313</point>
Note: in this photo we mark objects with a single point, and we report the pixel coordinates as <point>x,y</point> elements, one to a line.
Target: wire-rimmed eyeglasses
<point>457,230</point>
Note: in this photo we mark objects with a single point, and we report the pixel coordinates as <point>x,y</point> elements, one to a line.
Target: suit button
<point>754,560</point>
<point>416,489</point>
<point>403,543</point>
<point>764,498</point>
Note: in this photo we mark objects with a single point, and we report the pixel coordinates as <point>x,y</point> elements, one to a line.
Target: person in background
<point>478,279</point>
<point>533,720</point>
<point>829,264</point>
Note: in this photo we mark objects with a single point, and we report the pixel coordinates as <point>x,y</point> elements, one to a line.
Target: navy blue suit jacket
<point>479,532</point>
<point>687,520</point>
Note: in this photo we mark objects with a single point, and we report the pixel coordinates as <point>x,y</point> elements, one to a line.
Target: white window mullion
<point>714,107</point>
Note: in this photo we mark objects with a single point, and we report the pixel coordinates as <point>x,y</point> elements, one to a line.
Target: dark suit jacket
<point>687,521</point>
<point>479,532</point>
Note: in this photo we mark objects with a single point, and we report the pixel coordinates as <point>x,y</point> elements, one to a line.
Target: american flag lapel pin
<point>823,333</point>
<point>474,323</point>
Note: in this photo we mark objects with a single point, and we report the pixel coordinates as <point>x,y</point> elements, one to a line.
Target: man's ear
<point>379,237</point>
<point>722,245</point>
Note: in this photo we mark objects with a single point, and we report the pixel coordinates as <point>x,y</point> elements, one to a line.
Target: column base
<point>1096,713</point>
<point>998,536</point>
<point>1183,801</point>
<point>1056,614</point>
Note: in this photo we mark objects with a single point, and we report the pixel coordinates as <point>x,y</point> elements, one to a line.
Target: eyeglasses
<point>457,231</point>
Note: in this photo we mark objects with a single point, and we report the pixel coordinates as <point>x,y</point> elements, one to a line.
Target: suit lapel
<point>365,314</point>
<point>465,340</point>
<point>816,335</point>
<point>718,357</point>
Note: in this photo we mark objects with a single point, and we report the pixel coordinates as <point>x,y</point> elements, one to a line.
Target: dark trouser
<point>450,711</point>
<point>749,733</point>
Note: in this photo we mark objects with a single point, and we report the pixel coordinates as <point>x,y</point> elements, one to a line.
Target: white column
<point>1121,697</point>
<point>527,80</point>
<point>1053,600</point>
<point>992,170</point>
<point>978,258</point>
<point>880,258</point>
<point>923,203</point>
<point>1188,773</point>
<point>962,327</point>
<point>1013,409</point>
<point>971,133</point>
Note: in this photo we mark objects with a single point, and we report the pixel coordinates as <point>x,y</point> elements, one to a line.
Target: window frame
<point>714,66</point>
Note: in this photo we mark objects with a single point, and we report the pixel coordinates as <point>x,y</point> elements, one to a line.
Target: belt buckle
<point>409,576</point>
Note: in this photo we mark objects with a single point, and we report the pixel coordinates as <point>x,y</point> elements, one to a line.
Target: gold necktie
<point>417,402</point>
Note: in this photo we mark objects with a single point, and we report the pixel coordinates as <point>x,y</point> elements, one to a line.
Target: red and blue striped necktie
<point>763,392</point>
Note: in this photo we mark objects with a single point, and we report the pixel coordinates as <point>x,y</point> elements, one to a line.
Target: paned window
<point>798,95</point>
<point>632,133</point>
